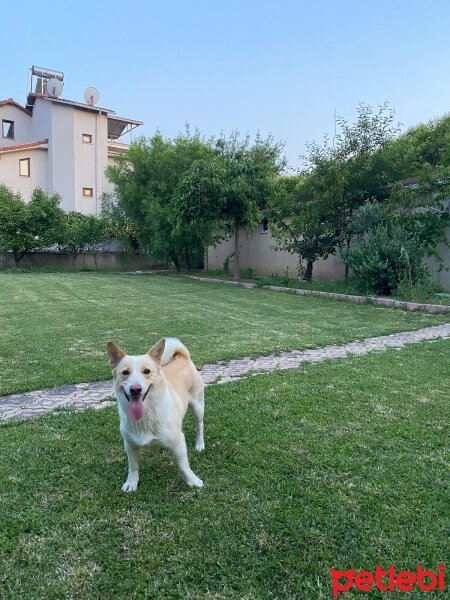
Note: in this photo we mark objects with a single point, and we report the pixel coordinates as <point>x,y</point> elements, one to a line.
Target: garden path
<point>99,394</point>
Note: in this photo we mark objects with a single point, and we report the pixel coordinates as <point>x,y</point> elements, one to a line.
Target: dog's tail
<point>172,347</point>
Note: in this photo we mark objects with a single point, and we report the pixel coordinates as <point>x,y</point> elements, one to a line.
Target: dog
<point>153,392</point>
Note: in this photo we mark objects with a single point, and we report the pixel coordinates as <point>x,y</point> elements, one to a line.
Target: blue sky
<point>281,67</point>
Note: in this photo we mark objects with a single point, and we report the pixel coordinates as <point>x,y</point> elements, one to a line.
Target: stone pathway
<point>99,394</point>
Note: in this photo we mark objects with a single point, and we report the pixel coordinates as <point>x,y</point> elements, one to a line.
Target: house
<point>58,144</point>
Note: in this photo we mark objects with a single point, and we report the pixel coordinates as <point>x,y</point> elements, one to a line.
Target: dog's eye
<point>146,371</point>
<point>125,372</point>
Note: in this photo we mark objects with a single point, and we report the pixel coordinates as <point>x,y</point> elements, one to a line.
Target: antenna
<point>54,87</point>
<point>91,96</point>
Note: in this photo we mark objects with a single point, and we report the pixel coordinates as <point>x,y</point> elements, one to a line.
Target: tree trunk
<point>309,270</point>
<point>19,255</point>
<point>237,269</point>
<point>348,239</point>
<point>346,265</point>
<point>187,258</point>
<point>176,262</point>
<point>300,267</point>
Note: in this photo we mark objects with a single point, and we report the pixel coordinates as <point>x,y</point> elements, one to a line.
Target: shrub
<point>384,253</point>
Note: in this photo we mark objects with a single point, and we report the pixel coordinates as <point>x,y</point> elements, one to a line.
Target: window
<point>86,138</point>
<point>264,226</point>
<point>8,129</point>
<point>24,167</point>
<point>88,192</point>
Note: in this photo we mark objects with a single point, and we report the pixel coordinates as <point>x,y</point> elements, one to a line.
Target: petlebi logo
<point>388,580</point>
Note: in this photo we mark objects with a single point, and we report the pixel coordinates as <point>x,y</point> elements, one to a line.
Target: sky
<point>283,68</point>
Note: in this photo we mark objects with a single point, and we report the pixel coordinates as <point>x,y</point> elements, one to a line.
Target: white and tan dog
<point>153,392</point>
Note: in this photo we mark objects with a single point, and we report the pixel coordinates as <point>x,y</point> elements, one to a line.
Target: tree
<point>95,233</point>
<point>393,238</point>
<point>304,222</point>
<point>338,178</point>
<point>422,209</point>
<point>82,233</point>
<point>426,145</point>
<point>118,225</point>
<point>28,227</point>
<point>232,187</point>
<point>146,180</point>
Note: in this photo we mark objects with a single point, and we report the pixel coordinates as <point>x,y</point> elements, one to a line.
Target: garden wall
<point>258,254</point>
<point>105,260</point>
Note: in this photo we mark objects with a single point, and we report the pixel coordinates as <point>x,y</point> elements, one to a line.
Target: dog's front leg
<point>132,481</point>
<point>179,450</point>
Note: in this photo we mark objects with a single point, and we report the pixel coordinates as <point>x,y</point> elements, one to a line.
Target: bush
<point>384,257</point>
<point>28,226</point>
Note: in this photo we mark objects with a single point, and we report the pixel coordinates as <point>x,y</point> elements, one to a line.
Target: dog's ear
<point>157,351</point>
<point>115,353</point>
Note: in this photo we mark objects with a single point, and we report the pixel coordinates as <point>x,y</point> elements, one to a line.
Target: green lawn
<point>426,294</point>
<point>54,326</point>
<point>340,465</point>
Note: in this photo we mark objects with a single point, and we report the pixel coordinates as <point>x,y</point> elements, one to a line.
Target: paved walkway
<point>99,394</point>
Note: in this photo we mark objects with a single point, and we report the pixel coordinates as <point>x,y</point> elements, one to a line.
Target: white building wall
<point>41,129</point>
<point>108,187</point>
<point>41,122</point>
<point>61,154</point>
<point>102,159</point>
<point>90,159</point>
<point>85,158</point>
<point>22,125</point>
<point>69,164</point>
<point>9,171</point>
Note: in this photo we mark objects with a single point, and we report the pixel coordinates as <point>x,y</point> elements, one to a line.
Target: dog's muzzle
<point>137,396</point>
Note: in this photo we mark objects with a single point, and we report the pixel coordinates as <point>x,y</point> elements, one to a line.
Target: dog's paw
<point>129,486</point>
<point>200,446</point>
<point>194,481</point>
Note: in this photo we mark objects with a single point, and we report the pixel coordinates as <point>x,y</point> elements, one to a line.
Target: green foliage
<point>147,178</point>
<point>422,210</point>
<point>27,227</point>
<point>426,145</point>
<point>226,264</point>
<point>418,291</point>
<point>384,252</point>
<point>393,238</point>
<point>232,186</point>
<point>118,225</point>
<point>309,231</point>
<point>337,179</point>
<point>82,233</point>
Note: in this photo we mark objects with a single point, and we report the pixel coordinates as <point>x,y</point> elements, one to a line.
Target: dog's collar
<point>145,395</point>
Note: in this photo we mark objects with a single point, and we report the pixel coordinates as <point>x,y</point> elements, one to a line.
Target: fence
<point>101,261</point>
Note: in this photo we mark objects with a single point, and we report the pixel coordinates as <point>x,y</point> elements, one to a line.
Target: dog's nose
<point>135,389</point>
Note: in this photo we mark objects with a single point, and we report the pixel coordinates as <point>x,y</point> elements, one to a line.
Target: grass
<point>425,294</point>
<point>335,465</point>
<point>55,325</point>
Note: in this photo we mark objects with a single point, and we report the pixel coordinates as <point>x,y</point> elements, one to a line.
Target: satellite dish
<point>54,87</point>
<point>91,96</point>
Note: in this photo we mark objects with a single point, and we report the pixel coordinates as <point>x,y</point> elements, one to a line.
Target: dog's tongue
<point>135,409</point>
